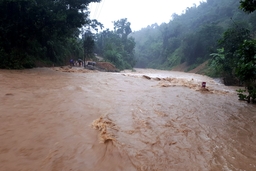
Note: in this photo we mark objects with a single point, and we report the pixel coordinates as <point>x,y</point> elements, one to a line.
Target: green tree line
<point>190,37</point>
<point>42,30</point>
<point>221,32</point>
<point>116,46</point>
<point>54,31</point>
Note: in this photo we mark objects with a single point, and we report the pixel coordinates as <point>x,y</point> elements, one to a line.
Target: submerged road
<point>148,120</point>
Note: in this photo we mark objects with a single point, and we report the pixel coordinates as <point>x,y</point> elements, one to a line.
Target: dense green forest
<point>220,32</point>
<point>43,31</point>
<point>49,32</point>
<point>190,37</point>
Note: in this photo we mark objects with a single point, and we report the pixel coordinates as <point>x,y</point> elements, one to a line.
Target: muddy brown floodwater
<point>147,120</point>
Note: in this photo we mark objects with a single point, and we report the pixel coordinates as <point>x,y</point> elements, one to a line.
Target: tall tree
<point>31,30</point>
<point>123,28</point>
<point>116,46</point>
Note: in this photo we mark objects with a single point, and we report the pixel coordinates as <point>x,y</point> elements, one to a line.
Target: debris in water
<point>147,77</point>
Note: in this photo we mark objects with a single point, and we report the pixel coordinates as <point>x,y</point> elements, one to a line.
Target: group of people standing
<point>78,62</point>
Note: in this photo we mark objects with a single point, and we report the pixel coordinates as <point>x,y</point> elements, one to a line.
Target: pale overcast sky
<point>140,13</point>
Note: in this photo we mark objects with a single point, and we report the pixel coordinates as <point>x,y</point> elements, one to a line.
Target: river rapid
<point>148,120</point>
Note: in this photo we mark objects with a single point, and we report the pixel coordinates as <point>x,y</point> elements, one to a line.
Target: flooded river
<point>148,120</point>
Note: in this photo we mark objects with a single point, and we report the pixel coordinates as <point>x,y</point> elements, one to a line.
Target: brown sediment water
<point>148,120</point>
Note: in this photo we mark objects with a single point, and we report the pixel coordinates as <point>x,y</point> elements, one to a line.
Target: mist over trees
<point>190,37</point>
<point>220,32</point>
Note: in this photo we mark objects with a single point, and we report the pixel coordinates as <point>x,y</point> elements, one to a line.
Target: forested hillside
<point>221,32</point>
<point>190,37</point>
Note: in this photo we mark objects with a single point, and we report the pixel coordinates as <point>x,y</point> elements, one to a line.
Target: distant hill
<point>190,37</point>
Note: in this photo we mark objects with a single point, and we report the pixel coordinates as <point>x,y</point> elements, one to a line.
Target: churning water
<point>148,120</point>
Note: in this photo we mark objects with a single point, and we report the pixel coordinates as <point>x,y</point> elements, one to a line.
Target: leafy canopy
<point>39,29</point>
<point>248,5</point>
<point>116,46</point>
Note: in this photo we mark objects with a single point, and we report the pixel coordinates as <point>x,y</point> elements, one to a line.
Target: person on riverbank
<point>71,62</point>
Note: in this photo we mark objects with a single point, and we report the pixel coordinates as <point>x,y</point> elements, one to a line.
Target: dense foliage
<point>238,59</point>
<point>116,46</point>
<point>41,30</point>
<point>217,31</point>
<point>190,37</point>
<point>248,5</point>
<point>246,70</point>
<point>230,42</point>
